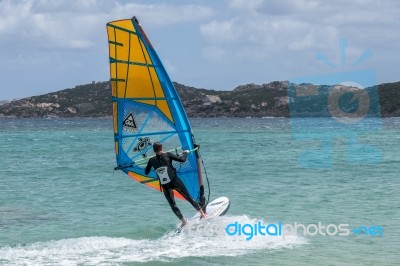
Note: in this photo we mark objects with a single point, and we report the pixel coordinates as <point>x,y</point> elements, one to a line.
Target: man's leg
<point>180,187</point>
<point>202,201</point>
<point>169,195</point>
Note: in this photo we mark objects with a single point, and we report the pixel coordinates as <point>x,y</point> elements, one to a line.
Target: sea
<point>303,191</point>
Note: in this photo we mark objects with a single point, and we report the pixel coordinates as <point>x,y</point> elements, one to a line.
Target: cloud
<point>253,41</point>
<point>257,38</point>
<point>45,27</point>
<point>68,38</point>
<point>245,5</point>
<point>64,24</point>
<point>222,31</point>
<point>283,27</point>
<point>275,7</point>
<point>158,15</point>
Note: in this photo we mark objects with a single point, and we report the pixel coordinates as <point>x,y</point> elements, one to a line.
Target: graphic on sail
<point>146,108</point>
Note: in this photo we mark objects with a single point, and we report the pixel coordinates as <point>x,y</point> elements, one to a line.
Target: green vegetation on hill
<point>272,99</point>
<point>90,100</point>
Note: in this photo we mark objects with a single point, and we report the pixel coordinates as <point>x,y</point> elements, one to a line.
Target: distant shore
<point>267,100</point>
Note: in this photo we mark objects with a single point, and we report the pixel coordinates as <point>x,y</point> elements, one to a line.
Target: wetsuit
<point>165,159</point>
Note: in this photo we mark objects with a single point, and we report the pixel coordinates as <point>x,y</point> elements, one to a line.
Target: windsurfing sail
<point>147,109</point>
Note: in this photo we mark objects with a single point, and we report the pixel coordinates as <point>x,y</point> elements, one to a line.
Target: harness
<point>165,173</point>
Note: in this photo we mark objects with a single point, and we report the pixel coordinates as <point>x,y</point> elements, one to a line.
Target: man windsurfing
<point>169,180</point>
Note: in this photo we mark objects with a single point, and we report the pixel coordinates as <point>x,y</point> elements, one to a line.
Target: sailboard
<point>147,109</point>
<point>215,208</point>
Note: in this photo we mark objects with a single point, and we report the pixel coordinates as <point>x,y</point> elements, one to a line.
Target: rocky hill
<point>3,102</point>
<point>272,99</point>
<point>91,100</point>
<point>247,100</point>
<point>389,99</point>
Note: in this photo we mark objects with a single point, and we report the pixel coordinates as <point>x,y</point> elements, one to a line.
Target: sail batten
<point>146,108</point>
<point>121,28</point>
<point>113,60</point>
<point>148,98</point>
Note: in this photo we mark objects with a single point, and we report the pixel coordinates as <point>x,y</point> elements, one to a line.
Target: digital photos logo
<point>347,103</point>
<point>259,229</point>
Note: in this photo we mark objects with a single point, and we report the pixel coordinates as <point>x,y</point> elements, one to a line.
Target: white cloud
<point>249,6</point>
<point>256,40</point>
<point>25,22</point>
<point>316,38</point>
<point>11,14</point>
<point>158,15</point>
<point>68,24</point>
<point>61,6</point>
<point>304,26</point>
<point>222,31</point>
<point>68,38</point>
<point>275,7</point>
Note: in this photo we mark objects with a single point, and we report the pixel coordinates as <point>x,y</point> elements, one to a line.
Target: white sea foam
<point>205,239</point>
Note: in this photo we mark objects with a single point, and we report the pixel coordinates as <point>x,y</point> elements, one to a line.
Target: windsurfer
<point>162,164</point>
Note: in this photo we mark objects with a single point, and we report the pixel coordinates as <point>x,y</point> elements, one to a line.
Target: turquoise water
<point>61,202</point>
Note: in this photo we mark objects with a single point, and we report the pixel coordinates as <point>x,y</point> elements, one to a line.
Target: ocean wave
<point>207,239</point>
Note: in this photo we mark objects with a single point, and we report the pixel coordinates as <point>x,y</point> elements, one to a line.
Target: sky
<point>50,45</point>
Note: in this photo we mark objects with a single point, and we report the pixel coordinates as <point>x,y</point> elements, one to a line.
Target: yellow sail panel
<point>115,120</point>
<point>137,52</point>
<point>163,106</point>
<point>160,104</point>
<point>121,45</point>
<point>125,24</point>
<point>148,102</point>
<point>116,148</point>
<point>132,72</point>
<point>146,54</point>
<point>139,83</point>
<point>159,94</point>
<point>119,77</point>
<point>111,37</point>
<point>128,48</point>
<point>113,88</point>
<point>158,91</point>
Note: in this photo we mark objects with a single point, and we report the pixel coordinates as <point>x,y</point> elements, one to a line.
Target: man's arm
<point>181,158</point>
<point>148,168</point>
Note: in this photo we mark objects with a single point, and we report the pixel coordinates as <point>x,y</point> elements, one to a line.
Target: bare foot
<point>183,223</point>
<point>203,214</point>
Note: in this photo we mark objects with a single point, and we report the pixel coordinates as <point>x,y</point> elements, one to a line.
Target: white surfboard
<point>217,207</point>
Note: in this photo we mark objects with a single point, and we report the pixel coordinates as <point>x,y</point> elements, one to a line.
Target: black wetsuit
<point>165,159</point>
